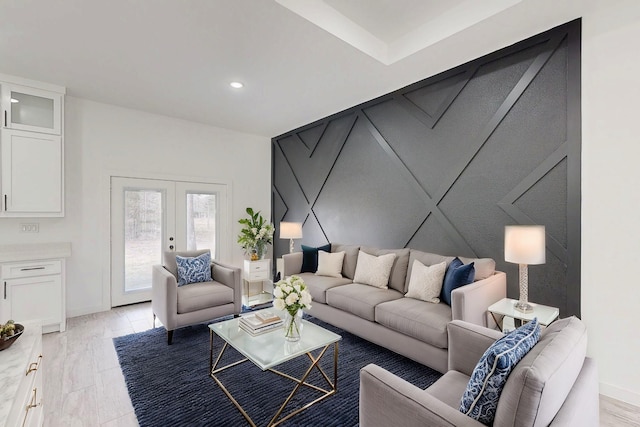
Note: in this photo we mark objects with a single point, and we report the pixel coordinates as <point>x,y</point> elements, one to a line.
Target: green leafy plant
<point>256,234</point>
<point>8,329</point>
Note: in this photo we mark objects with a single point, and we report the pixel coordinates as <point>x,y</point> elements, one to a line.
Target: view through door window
<point>201,222</point>
<point>142,236</point>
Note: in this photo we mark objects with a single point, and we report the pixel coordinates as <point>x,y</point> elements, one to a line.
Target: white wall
<point>102,138</point>
<point>610,197</point>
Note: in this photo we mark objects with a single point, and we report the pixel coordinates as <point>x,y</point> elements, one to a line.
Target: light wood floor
<point>85,387</point>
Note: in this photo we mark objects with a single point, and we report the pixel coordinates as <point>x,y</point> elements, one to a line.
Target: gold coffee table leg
<point>331,390</point>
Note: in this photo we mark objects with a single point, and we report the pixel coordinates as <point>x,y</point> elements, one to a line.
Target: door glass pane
<point>201,222</point>
<point>31,110</point>
<point>142,237</point>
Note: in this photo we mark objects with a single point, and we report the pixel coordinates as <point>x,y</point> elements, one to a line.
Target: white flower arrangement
<point>291,294</point>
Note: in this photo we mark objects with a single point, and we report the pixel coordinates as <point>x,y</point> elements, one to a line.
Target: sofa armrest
<point>230,276</point>
<point>164,296</point>
<point>388,400</point>
<point>467,344</point>
<point>292,264</point>
<point>470,302</point>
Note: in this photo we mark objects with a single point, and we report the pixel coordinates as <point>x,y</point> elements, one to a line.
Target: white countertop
<point>34,251</point>
<point>14,361</point>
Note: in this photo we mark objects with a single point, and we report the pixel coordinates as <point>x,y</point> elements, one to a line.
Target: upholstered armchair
<point>179,306</point>
<point>553,385</point>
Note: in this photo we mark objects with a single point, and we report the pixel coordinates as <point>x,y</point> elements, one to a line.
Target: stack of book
<point>260,322</point>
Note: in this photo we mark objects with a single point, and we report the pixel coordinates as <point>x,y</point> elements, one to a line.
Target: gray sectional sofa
<point>411,327</point>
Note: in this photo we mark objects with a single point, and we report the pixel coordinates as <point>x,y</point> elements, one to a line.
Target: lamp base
<point>523,307</point>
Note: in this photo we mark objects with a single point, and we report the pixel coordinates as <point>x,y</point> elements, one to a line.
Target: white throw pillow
<point>330,264</point>
<point>426,282</point>
<point>374,270</point>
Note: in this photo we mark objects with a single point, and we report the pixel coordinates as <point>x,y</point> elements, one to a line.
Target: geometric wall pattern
<point>444,164</point>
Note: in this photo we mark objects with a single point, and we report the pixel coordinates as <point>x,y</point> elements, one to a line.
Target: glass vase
<point>259,251</point>
<point>293,326</point>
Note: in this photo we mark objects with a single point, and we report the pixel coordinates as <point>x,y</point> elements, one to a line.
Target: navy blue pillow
<point>310,257</point>
<point>458,274</point>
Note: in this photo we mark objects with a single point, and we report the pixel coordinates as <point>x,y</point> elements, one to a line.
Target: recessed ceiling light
<point>236,85</point>
<point>14,101</point>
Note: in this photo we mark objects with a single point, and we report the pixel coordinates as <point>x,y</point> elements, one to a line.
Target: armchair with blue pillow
<point>526,378</point>
<point>191,288</point>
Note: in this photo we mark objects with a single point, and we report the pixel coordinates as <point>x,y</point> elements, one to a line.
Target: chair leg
<point>169,337</point>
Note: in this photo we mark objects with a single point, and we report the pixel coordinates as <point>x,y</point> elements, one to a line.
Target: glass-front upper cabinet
<point>31,109</point>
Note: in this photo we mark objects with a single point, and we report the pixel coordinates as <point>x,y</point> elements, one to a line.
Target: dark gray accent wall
<point>444,164</point>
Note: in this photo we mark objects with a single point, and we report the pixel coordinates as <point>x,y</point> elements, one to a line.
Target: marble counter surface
<point>34,251</point>
<point>13,363</point>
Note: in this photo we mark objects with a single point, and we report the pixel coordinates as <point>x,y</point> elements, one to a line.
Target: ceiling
<point>300,60</point>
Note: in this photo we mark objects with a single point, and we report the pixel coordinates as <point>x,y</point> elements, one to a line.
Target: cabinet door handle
<point>34,366</point>
<point>5,290</point>
<point>5,202</point>
<point>32,268</point>
<point>5,118</point>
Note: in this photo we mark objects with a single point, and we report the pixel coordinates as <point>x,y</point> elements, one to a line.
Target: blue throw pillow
<point>310,257</point>
<point>458,274</point>
<point>480,399</point>
<point>194,269</point>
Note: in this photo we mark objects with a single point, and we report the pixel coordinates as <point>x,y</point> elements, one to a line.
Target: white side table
<point>258,286</point>
<point>505,308</point>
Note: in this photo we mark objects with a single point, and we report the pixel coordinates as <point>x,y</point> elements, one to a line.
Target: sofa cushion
<point>350,258</point>
<point>425,258</point>
<point>330,264</point>
<point>374,270</point>
<point>398,269</point>
<point>203,295</point>
<point>480,399</point>
<point>360,299</point>
<point>541,382</point>
<point>449,387</point>
<point>421,320</point>
<point>457,275</point>
<point>485,267</point>
<point>194,269</point>
<point>426,282</point>
<point>169,259</point>
<point>318,285</point>
<point>310,257</point>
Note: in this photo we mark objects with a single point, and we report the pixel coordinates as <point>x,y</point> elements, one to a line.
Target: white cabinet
<point>34,290</point>
<point>21,391</point>
<point>32,149</point>
<point>258,287</point>
<point>32,178</point>
<point>31,109</point>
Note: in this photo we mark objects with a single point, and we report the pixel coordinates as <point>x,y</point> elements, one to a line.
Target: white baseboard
<point>621,394</point>
<point>85,310</point>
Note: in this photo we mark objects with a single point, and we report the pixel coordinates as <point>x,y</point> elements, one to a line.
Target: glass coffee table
<point>269,350</point>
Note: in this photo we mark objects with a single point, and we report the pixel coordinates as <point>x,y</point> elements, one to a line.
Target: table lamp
<point>524,245</point>
<point>291,230</point>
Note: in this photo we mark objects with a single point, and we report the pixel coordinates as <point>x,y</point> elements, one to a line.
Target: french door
<point>150,216</point>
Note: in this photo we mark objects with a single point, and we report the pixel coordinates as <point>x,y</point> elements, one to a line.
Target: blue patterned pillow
<point>458,274</point>
<point>193,270</point>
<point>480,399</point>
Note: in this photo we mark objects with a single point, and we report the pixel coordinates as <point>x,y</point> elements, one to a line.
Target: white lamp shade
<point>524,244</point>
<point>291,230</point>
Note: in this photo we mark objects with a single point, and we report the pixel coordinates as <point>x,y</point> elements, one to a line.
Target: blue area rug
<point>170,385</point>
